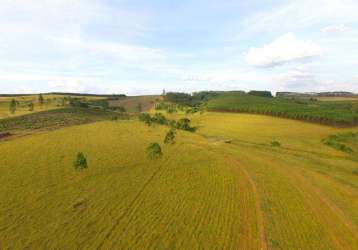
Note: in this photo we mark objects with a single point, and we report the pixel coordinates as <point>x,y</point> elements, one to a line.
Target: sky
<point>144,46</point>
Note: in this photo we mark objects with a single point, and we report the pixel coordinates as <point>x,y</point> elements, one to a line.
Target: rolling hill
<point>227,186</point>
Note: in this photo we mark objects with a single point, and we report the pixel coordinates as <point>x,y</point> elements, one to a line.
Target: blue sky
<point>142,47</point>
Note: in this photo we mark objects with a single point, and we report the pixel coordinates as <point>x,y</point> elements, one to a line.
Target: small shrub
<point>172,124</point>
<point>41,99</point>
<point>170,136</point>
<point>160,119</point>
<point>154,151</point>
<point>31,106</point>
<point>146,118</point>
<point>275,144</point>
<point>12,106</point>
<point>345,148</point>
<point>80,162</point>
<point>171,110</point>
<point>184,124</point>
<point>337,142</point>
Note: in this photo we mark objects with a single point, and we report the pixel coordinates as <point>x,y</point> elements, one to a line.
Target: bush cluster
<point>339,141</point>
<point>158,118</point>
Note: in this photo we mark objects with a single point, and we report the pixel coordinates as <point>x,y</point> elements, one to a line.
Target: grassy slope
<point>308,192</point>
<point>130,103</point>
<point>346,142</point>
<point>204,193</point>
<point>52,119</point>
<point>335,113</point>
<point>23,107</point>
<point>123,200</point>
<point>338,99</point>
<point>50,102</point>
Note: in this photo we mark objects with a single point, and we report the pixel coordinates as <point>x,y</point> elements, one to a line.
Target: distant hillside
<point>65,94</point>
<point>332,113</point>
<point>314,94</point>
<point>135,103</point>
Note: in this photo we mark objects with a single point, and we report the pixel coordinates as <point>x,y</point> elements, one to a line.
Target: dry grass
<point>224,187</point>
<point>130,103</point>
<point>308,192</point>
<point>189,199</point>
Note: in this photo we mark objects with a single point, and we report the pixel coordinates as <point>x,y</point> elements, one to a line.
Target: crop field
<point>122,200</point>
<point>55,118</point>
<point>325,112</point>
<point>308,191</point>
<point>241,181</point>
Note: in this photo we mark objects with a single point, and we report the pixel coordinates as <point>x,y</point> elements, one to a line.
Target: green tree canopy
<point>154,151</point>
<point>80,162</point>
<point>170,136</point>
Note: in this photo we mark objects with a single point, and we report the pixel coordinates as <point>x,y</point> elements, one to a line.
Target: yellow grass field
<point>223,187</point>
<point>308,192</point>
<point>23,107</point>
<point>50,102</point>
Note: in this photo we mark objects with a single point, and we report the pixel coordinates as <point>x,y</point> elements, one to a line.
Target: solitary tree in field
<point>31,106</point>
<point>80,162</point>
<point>154,151</point>
<point>12,106</point>
<point>275,144</point>
<point>41,99</point>
<point>170,136</point>
<point>184,124</point>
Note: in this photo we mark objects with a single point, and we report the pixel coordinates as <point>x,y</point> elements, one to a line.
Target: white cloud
<point>225,78</point>
<point>68,16</point>
<point>335,29</point>
<point>36,76</point>
<point>285,49</point>
<point>305,79</point>
<point>303,14</point>
<point>296,79</point>
<point>119,50</point>
<point>76,85</point>
<point>54,82</point>
<point>221,76</point>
